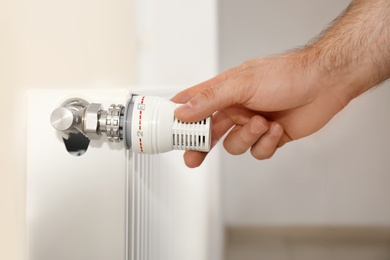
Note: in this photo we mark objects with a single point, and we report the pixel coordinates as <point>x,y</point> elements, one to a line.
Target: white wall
<point>177,42</point>
<point>47,44</point>
<point>339,176</point>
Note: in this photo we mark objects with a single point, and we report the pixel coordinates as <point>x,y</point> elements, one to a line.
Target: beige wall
<point>51,44</point>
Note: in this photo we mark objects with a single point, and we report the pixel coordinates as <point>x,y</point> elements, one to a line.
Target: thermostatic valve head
<point>155,129</point>
<point>146,124</point>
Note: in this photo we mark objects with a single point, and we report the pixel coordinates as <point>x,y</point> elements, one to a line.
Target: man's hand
<point>270,101</point>
<point>265,102</point>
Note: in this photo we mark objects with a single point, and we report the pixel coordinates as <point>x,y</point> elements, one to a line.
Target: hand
<point>265,102</point>
<point>271,101</point>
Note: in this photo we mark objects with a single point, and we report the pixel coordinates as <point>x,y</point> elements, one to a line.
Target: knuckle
<point>258,125</point>
<point>208,94</point>
<point>246,65</point>
<point>231,148</point>
<point>227,147</point>
<point>262,154</point>
<point>247,139</point>
<point>268,155</point>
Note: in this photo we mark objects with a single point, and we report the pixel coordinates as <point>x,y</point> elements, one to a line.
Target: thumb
<point>208,101</point>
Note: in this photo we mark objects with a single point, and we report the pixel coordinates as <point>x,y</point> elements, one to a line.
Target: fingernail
<point>183,108</point>
<point>276,130</point>
<point>257,127</point>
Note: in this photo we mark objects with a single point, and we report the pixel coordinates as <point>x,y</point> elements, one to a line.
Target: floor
<point>308,243</point>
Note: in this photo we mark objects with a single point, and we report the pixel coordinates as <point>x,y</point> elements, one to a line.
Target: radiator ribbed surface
<point>151,213</point>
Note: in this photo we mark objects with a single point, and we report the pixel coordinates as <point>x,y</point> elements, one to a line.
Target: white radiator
<point>156,212</point>
<point>113,204</point>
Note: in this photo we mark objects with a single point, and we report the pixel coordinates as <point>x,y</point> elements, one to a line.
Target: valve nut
<point>91,120</point>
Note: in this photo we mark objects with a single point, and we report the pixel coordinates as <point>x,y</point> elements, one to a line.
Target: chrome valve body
<point>78,116</point>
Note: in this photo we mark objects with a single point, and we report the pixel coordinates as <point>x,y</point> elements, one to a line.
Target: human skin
<point>270,101</point>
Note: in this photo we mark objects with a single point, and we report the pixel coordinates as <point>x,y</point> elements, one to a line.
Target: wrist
<point>347,78</point>
<point>353,55</point>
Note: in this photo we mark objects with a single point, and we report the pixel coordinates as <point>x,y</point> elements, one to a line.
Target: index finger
<point>185,95</point>
<point>211,100</point>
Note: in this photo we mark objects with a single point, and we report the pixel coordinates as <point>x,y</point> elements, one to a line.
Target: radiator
<point>111,203</point>
<point>159,207</point>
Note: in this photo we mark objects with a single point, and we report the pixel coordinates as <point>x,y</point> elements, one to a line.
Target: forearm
<point>354,51</point>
